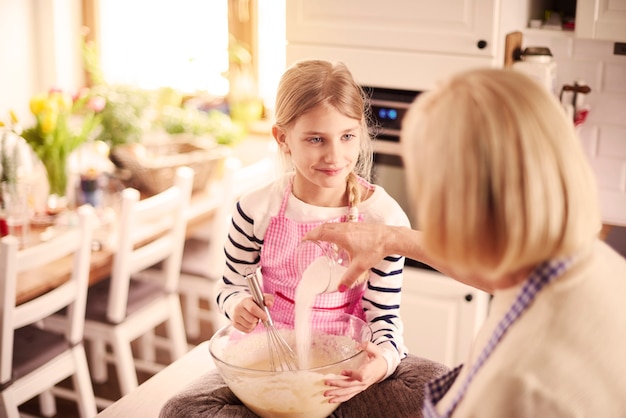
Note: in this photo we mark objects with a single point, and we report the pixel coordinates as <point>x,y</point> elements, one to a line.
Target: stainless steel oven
<point>388,109</point>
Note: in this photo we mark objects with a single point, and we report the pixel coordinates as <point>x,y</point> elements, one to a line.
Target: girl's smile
<point>331,171</point>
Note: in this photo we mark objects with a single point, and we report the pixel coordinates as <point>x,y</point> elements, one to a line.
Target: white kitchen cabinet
<point>452,26</point>
<point>406,44</point>
<point>441,316</point>
<point>601,19</point>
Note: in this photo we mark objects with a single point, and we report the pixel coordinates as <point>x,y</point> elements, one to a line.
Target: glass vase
<point>56,169</point>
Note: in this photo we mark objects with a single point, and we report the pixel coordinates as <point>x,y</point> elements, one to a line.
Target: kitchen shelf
<point>550,32</point>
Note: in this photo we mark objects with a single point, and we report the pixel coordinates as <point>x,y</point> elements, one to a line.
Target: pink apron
<point>437,388</point>
<point>280,272</point>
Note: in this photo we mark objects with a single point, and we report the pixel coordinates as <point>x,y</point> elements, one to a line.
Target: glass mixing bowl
<point>242,359</point>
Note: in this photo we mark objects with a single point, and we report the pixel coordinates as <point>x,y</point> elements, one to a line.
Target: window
<point>164,43</point>
<point>184,44</point>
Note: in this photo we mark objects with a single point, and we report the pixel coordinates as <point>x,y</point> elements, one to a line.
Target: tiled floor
<point>108,390</point>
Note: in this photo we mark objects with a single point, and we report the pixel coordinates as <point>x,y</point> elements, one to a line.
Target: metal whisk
<point>281,355</point>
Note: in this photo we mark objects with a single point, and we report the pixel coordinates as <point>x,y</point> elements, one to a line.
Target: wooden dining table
<point>257,160</point>
<point>35,282</point>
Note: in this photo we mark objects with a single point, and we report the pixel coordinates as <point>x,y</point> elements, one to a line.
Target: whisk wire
<point>281,355</point>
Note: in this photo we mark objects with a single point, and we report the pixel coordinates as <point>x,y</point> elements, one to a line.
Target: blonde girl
<point>321,129</point>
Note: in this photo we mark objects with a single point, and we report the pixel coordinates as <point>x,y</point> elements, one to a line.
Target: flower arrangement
<point>62,124</point>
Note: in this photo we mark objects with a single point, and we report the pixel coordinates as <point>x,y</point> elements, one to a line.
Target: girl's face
<point>324,147</point>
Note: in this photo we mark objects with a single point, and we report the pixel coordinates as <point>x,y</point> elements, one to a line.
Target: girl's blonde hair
<point>310,83</point>
<point>499,179</point>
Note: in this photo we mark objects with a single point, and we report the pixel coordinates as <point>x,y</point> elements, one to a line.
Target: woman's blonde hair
<point>310,83</point>
<point>498,177</point>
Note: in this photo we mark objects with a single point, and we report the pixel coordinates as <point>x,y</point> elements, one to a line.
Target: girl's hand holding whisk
<point>356,381</point>
<point>247,313</point>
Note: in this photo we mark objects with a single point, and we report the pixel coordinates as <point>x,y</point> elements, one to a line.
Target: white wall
<point>39,49</point>
<point>604,134</point>
<point>17,68</point>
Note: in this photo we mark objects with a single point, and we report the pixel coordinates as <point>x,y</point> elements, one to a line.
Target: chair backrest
<point>150,231</point>
<point>215,258</point>
<point>71,294</point>
<point>235,182</point>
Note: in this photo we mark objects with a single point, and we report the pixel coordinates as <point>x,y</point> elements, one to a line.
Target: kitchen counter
<point>148,399</point>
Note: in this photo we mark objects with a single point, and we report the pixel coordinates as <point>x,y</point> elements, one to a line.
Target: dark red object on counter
<point>4,228</point>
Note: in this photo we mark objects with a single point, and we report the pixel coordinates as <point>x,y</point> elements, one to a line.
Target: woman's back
<point>565,355</point>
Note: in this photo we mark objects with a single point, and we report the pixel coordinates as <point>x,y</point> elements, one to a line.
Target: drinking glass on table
<point>16,211</point>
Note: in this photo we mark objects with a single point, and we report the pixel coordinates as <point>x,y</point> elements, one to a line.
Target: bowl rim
<point>266,372</point>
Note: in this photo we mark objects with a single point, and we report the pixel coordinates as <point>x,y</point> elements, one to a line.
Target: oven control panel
<point>388,109</point>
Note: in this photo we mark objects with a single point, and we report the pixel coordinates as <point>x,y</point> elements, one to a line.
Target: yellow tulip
<point>62,100</point>
<point>49,122</point>
<point>38,103</point>
<point>50,105</point>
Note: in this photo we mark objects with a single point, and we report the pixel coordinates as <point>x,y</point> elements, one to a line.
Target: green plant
<point>130,111</point>
<point>190,120</point>
<point>8,150</point>
<point>123,117</point>
<point>243,99</point>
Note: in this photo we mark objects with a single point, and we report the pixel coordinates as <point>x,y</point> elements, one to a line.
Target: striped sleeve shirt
<point>381,299</point>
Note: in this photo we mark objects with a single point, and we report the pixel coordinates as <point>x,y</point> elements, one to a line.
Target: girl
<point>321,128</point>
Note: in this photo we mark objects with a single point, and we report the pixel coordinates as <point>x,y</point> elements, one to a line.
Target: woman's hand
<point>247,313</point>
<point>368,243</point>
<point>365,242</point>
<point>356,381</point>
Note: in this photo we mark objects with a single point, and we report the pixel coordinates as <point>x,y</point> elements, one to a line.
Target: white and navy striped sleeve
<point>381,299</point>
<point>243,245</point>
<point>381,304</point>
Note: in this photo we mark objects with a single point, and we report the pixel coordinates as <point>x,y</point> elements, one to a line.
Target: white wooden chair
<point>203,257</point>
<point>34,360</point>
<point>127,307</point>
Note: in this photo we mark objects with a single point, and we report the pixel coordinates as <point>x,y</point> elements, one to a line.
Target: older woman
<point>507,203</point>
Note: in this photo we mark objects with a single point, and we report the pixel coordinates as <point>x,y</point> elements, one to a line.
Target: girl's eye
<point>315,140</point>
<point>348,137</point>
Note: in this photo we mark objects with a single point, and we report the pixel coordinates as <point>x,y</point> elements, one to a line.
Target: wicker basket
<point>151,167</point>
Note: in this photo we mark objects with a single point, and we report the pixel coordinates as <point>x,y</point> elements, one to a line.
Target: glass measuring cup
<point>321,264</point>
